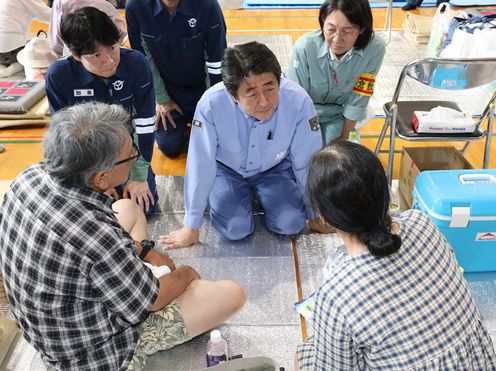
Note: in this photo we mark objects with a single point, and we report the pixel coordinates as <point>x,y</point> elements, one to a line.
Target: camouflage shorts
<point>162,330</point>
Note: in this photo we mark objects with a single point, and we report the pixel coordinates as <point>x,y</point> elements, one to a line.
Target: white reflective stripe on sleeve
<point>213,64</point>
<point>214,71</point>
<point>144,126</point>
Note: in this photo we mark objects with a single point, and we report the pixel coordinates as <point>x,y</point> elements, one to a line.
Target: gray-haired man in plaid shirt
<point>72,265</point>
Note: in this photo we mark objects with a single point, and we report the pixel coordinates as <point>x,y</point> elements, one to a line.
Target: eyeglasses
<point>134,157</point>
<point>346,34</point>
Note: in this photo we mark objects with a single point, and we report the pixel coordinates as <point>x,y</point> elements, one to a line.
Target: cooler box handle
<point>477,178</point>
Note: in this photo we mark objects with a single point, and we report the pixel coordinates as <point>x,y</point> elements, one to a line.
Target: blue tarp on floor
<point>472,2</point>
<point>267,4</point>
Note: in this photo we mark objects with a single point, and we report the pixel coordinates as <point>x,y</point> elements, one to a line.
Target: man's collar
<point>86,76</point>
<point>158,6</point>
<point>99,200</point>
<point>235,103</point>
<point>324,48</point>
<point>184,7</point>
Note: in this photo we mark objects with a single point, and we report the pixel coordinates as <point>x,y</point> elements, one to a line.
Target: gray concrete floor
<point>263,263</point>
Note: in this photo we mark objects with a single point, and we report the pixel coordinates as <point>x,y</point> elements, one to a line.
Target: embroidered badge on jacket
<point>118,85</point>
<point>314,123</point>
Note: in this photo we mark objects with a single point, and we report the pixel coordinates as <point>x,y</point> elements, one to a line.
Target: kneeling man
<point>73,268</point>
<point>253,135</point>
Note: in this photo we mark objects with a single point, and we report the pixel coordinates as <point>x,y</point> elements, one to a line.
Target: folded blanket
<point>417,27</point>
<point>37,115</point>
<point>39,110</point>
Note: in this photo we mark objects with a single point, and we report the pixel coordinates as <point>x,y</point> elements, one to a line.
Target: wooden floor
<point>23,144</point>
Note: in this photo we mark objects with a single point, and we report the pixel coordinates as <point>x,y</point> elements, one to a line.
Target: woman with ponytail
<point>397,299</point>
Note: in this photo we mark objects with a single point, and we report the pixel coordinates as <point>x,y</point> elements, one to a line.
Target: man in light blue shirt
<point>252,137</point>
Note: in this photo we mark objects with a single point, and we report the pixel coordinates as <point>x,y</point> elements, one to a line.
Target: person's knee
<point>170,149</point>
<point>288,225</point>
<point>129,214</point>
<point>170,144</point>
<point>234,294</point>
<point>126,206</point>
<point>238,228</point>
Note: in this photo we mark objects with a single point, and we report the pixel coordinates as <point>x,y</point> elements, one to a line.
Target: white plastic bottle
<point>216,349</point>
<point>353,137</point>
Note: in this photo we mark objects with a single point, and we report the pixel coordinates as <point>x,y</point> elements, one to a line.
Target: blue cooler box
<point>462,203</point>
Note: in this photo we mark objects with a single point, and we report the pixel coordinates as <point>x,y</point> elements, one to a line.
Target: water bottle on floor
<point>353,137</point>
<point>216,349</point>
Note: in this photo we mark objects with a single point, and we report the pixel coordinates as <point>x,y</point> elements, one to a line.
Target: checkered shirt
<point>78,292</point>
<point>409,311</point>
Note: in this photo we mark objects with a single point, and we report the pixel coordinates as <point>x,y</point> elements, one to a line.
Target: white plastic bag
<point>484,45</point>
<point>440,25</point>
<point>478,43</point>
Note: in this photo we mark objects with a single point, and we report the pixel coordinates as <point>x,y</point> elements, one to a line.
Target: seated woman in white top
<point>15,19</point>
<point>397,299</point>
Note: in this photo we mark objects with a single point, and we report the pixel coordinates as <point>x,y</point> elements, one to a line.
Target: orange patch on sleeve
<point>365,84</point>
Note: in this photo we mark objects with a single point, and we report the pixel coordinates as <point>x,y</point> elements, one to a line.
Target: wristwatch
<point>146,246</point>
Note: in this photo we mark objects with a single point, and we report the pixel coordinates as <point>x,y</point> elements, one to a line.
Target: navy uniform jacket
<point>223,132</point>
<point>181,46</point>
<point>68,83</point>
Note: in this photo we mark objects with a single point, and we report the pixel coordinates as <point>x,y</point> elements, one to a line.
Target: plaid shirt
<point>78,292</point>
<point>409,311</point>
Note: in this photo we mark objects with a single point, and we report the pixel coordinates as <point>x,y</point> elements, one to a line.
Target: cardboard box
<point>417,159</point>
<point>403,204</point>
<point>3,294</point>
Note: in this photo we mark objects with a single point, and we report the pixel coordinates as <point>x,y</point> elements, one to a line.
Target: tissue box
<point>442,120</point>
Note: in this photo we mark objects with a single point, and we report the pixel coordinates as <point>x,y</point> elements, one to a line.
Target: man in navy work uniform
<point>182,40</point>
<point>100,70</point>
<point>252,136</point>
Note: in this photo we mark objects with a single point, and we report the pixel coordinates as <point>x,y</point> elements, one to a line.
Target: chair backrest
<point>449,74</point>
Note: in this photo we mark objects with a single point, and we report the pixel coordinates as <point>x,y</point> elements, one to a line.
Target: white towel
<point>158,271</point>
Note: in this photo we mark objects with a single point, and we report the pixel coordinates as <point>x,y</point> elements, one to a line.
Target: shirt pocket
<point>193,47</point>
<point>127,100</point>
<point>150,36</point>
<point>319,90</point>
<point>155,42</point>
<point>230,158</point>
<point>274,152</point>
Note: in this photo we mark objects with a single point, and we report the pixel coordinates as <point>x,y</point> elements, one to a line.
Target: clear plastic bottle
<point>353,137</point>
<point>216,349</point>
